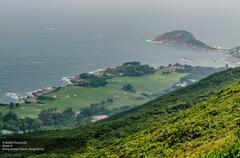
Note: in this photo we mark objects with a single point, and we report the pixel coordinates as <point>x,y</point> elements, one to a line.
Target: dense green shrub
<point>130,69</point>
<point>128,88</point>
<point>89,80</point>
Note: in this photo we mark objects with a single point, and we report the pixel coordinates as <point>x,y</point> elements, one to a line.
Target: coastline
<point>33,95</point>
<point>70,80</point>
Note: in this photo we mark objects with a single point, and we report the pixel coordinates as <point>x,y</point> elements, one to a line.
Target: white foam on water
<point>13,95</point>
<point>49,88</point>
<point>67,79</point>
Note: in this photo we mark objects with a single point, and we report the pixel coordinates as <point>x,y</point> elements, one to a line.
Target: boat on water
<point>50,28</point>
<point>185,59</point>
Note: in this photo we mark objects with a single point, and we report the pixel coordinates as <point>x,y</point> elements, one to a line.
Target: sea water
<point>43,41</point>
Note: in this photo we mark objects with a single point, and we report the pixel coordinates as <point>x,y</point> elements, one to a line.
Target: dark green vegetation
<point>189,122</point>
<point>129,88</point>
<point>10,123</point>
<point>183,38</point>
<point>99,78</point>
<point>91,81</point>
<point>130,69</point>
<point>47,119</point>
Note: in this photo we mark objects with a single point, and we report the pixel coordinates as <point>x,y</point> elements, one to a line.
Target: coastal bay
<point>38,53</point>
<point>48,72</point>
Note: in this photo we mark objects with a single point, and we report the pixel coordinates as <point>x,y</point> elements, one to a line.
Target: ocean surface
<point>43,41</point>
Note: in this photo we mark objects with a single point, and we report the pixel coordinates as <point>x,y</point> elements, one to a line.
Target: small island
<point>185,39</point>
<point>182,38</point>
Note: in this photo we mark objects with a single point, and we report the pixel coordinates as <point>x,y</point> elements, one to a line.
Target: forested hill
<point>188,122</point>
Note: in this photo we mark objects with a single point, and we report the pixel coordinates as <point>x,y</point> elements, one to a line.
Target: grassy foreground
<point>201,129</point>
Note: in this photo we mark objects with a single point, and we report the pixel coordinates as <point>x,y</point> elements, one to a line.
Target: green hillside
<point>190,122</point>
<point>205,126</point>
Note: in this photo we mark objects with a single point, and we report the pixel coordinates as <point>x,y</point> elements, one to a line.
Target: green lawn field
<point>77,97</point>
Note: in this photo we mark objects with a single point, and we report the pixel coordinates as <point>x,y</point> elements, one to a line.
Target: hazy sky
<point>214,17</point>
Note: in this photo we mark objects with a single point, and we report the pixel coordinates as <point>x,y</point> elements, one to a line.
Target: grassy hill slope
<point>200,129</point>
